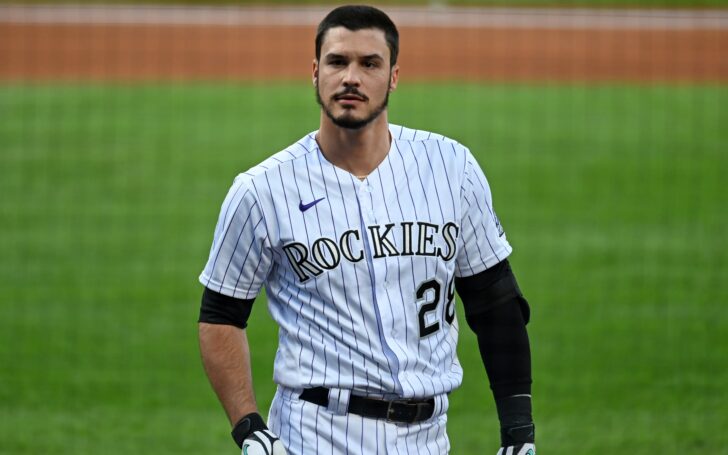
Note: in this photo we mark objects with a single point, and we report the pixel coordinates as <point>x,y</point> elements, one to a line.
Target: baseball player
<point>361,233</point>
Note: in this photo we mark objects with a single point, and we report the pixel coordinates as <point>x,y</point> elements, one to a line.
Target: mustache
<point>351,91</point>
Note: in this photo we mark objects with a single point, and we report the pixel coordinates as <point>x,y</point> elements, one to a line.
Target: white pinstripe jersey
<point>359,274</point>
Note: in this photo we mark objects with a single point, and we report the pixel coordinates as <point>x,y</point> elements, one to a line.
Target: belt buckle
<point>391,418</point>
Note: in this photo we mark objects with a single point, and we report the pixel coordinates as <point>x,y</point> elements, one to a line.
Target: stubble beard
<point>347,122</point>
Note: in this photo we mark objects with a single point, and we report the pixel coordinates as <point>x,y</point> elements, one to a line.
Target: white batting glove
<point>520,449</point>
<point>263,442</point>
<point>254,438</point>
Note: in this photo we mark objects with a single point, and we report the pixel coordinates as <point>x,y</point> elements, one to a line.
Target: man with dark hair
<point>358,17</point>
<point>362,232</point>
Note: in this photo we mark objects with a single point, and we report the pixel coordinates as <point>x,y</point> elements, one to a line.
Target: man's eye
<point>371,64</point>
<point>336,62</point>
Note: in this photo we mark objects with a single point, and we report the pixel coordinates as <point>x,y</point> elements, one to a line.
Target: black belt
<point>402,411</point>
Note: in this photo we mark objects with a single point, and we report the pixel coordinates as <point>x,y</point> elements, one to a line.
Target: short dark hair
<point>358,17</point>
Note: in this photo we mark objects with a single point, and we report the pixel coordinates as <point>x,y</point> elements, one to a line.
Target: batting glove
<point>520,449</point>
<point>254,438</point>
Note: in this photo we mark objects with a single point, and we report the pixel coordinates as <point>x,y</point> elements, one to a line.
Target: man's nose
<point>352,76</point>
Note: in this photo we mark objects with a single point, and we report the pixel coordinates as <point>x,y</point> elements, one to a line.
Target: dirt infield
<point>78,48</point>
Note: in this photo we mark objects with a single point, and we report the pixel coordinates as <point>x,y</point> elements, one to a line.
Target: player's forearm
<point>505,350</point>
<point>498,313</point>
<point>226,358</point>
<point>506,353</point>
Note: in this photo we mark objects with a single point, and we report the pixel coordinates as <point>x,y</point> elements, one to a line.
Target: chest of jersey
<point>407,209</point>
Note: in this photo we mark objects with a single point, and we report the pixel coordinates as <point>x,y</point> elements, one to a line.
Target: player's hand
<point>520,449</point>
<point>263,442</point>
<point>254,438</point>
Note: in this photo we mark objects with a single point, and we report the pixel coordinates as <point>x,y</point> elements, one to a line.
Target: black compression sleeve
<point>218,308</point>
<point>504,348</point>
<point>497,312</point>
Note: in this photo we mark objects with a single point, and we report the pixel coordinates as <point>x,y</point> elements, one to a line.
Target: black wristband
<point>247,425</point>
<point>516,422</point>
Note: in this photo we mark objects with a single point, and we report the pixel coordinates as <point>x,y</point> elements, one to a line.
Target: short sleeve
<point>482,241</point>
<point>240,257</point>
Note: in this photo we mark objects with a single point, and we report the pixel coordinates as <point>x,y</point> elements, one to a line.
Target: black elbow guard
<point>489,289</point>
<point>218,308</point>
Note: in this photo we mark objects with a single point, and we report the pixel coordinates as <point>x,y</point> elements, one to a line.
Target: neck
<point>356,151</point>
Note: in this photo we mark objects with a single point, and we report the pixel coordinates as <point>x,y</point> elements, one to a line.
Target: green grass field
<point>611,195</point>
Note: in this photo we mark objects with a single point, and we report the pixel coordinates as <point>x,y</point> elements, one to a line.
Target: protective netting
<point>602,133</point>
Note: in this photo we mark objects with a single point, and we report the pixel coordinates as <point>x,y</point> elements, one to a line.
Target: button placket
<point>365,197</point>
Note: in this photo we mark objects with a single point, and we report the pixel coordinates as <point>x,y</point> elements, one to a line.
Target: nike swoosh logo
<point>303,207</point>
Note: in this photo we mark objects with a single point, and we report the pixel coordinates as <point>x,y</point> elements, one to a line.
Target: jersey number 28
<point>432,299</point>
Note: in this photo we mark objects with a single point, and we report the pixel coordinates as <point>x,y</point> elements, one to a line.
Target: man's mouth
<point>350,97</point>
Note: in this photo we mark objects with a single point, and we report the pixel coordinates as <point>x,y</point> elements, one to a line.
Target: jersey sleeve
<point>241,256</point>
<point>482,241</point>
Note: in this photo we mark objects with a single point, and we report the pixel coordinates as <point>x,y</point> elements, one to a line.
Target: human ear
<point>393,78</point>
<point>314,72</point>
